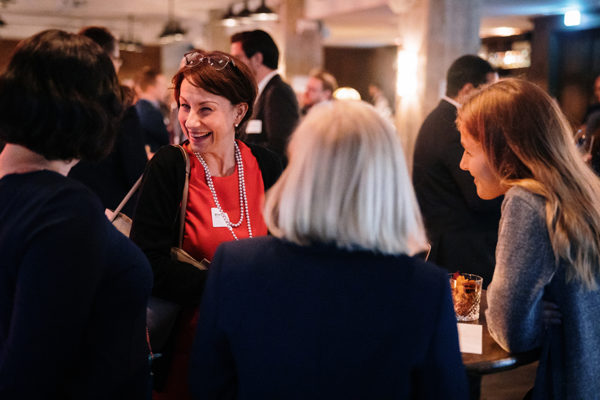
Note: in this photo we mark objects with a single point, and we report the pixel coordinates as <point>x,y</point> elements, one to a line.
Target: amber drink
<point>466,295</point>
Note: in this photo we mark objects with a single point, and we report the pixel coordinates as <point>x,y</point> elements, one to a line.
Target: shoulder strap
<point>184,197</point>
<point>135,186</point>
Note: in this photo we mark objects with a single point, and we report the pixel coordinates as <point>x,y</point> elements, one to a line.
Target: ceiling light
<point>130,43</point>
<point>264,13</point>
<point>229,18</point>
<point>244,13</point>
<point>572,18</point>
<point>172,30</point>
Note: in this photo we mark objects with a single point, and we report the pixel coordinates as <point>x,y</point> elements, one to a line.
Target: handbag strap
<point>135,187</point>
<point>184,197</point>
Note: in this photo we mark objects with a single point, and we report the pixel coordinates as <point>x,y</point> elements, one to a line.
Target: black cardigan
<point>155,226</point>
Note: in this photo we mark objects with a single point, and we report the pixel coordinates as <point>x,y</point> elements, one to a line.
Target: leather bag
<point>161,314</point>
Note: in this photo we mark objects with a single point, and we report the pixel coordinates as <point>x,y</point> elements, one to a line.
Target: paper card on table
<point>470,338</point>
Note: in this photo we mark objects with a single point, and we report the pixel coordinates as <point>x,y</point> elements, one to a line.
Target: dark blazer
<point>277,108</point>
<point>153,125</point>
<point>73,295</point>
<point>112,177</point>
<point>282,321</point>
<point>462,228</point>
<point>155,226</point>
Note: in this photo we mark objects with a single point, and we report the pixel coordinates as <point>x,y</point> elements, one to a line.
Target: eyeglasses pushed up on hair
<point>217,61</point>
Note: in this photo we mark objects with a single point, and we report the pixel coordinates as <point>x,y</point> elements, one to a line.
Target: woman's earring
<point>236,125</point>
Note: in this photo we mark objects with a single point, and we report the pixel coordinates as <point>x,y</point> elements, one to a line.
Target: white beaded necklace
<point>242,189</point>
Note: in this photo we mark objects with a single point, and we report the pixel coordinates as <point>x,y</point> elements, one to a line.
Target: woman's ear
<point>240,112</point>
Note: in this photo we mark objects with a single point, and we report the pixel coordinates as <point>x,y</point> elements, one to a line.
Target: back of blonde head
<point>346,184</point>
<point>529,143</point>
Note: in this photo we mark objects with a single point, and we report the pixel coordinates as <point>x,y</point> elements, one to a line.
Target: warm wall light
<point>504,31</point>
<point>406,80</point>
<point>346,93</point>
<point>572,18</point>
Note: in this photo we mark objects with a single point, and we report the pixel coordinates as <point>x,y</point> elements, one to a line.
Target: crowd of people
<point>289,239</point>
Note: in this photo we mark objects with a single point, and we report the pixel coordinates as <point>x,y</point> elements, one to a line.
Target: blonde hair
<point>529,143</point>
<point>346,184</point>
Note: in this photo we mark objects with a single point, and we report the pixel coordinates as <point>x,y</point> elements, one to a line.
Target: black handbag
<point>161,314</point>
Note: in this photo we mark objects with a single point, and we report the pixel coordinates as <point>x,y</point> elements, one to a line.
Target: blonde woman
<point>332,305</point>
<point>518,143</point>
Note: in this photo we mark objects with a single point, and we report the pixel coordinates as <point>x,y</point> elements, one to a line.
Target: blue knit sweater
<point>527,273</point>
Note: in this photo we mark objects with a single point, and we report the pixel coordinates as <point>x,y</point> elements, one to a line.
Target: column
<point>433,33</point>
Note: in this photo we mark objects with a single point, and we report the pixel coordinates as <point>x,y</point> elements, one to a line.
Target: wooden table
<point>493,358</point>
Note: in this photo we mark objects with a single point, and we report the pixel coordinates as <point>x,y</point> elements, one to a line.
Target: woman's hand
<point>551,314</point>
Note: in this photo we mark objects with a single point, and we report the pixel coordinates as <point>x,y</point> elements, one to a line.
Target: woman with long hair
<point>518,143</point>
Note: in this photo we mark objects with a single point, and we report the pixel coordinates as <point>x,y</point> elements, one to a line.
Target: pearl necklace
<point>242,189</point>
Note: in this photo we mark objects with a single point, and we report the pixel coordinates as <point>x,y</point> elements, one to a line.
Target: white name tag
<point>470,338</point>
<point>254,127</point>
<point>217,218</point>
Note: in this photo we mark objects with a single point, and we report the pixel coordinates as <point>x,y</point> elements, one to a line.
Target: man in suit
<point>151,87</point>
<point>319,88</point>
<point>276,111</point>
<point>112,177</point>
<point>462,228</point>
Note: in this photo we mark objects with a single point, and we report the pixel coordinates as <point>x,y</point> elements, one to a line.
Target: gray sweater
<point>526,273</point>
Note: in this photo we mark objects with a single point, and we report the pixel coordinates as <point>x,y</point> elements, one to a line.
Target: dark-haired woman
<point>73,290</point>
<point>215,93</point>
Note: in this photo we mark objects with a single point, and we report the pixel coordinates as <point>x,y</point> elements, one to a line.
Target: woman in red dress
<point>215,93</point>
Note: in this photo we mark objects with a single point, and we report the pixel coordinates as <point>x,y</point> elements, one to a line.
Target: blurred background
<point>402,46</point>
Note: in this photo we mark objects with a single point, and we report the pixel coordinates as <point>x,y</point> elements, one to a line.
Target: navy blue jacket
<point>73,294</point>
<point>112,177</point>
<point>282,321</point>
<point>156,134</point>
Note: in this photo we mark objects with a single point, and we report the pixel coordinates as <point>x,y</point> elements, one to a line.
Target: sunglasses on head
<point>217,61</point>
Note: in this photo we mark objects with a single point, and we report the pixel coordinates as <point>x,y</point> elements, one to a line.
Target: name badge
<point>217,218</point>
<point>254,127</point>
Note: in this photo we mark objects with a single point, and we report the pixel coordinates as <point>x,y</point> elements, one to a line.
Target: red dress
<point>201,240</point>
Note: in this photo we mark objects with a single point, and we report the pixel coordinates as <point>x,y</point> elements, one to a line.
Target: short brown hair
<point>467,69</point>
<point>102,36</point>
<point>60,97</point>
<point>234,82</point>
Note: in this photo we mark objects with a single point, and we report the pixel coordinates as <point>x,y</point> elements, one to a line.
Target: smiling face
<point>474,160</point>
<point>208,120</point>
